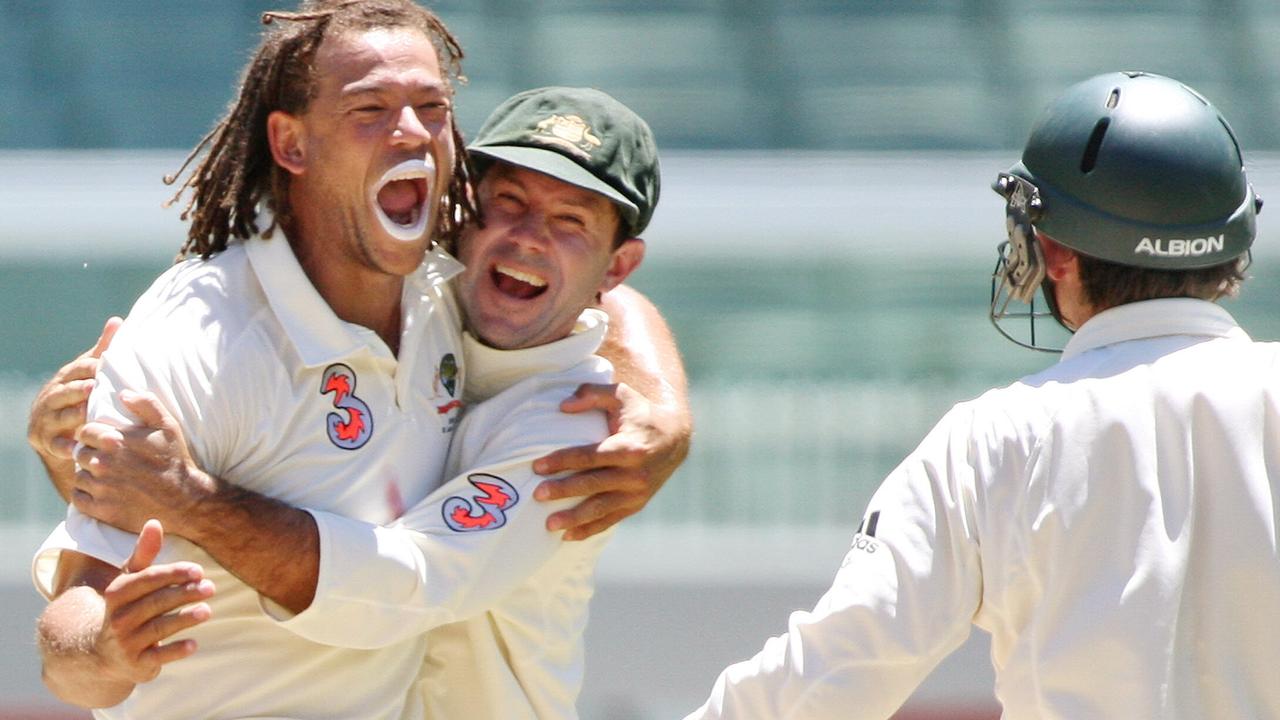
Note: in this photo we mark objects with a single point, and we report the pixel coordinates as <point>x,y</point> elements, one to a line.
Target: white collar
<point>319,335</point>
<point>1153,318</point>
<point>490,370</point>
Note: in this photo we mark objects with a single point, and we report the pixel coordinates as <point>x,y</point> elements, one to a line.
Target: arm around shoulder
<point>643,350</point>
<point>650,423</point>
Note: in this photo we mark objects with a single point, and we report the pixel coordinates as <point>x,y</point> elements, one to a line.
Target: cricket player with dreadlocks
<point>320,368</point>
<point>1110,521</point>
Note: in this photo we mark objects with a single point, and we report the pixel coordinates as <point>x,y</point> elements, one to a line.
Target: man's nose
<point>531,233</point>
<point>409,129</point>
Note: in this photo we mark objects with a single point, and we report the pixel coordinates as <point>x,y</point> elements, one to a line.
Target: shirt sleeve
<point>84,535</point>
<point>902,600</point>
<point>455,554</point>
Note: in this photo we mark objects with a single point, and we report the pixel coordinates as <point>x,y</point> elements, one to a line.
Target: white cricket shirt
<point>276,393</point>
<point>1111,521</point>
<point>503,602</point>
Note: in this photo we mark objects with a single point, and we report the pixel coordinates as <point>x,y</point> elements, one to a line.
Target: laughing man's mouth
<point>400,198</point>
<point>517,284</point>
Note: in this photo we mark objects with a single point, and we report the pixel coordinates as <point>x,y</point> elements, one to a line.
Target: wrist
<point>205,508</point>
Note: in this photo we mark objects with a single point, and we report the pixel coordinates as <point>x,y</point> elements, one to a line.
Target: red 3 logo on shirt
<point>484,509</point>
<point>352,426</point>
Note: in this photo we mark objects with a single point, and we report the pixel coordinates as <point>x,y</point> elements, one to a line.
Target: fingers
<point>69,391</point>
<point>569,459</point>
<point>84,367</point>
<point>60,406</point>
<point>592,396</point>
<point>136,628</point>
<point>130,587</point>
<point>595,527</point>
<point>56,413</point>
<point>157,616</point>
<point>97,441</point>
<point>167,653</point>
<point>596,482</point>
<point>147,548</point>
<point>109,329</point>
<point>593,514</point>
<point>614,451</point>
<point>146,408</point>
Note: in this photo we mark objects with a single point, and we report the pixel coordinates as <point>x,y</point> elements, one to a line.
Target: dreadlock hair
<point>238,172</point>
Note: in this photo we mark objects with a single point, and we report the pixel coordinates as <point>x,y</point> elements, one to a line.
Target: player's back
<point>1136,573</point>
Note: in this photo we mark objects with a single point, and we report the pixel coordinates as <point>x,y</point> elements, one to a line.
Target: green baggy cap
<point>583,137</point>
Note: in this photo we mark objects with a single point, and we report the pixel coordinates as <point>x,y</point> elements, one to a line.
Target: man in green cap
<point>568,178</point>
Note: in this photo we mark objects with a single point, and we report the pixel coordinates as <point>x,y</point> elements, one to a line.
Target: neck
<point>356,294</point>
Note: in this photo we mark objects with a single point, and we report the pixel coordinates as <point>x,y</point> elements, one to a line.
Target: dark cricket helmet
<point>1128,167</point>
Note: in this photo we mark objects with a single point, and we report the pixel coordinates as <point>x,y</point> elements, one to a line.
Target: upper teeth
<point>524,277</point>
<point>408,170</point>
<point>412,169</point>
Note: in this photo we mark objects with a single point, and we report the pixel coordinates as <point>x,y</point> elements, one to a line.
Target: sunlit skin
<point>544,253</point>
<point>1062,266</point>
<point>380,99</point>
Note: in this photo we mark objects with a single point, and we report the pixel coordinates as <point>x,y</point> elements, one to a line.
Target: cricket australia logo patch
<point>485,508</point>
<point>569,132</point>
<point>447,381</point>
<point>352,426</point>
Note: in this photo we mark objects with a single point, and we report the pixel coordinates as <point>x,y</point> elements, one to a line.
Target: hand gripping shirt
<point>1111,521</point>
<point>276,393</point>
<point>502,601</point>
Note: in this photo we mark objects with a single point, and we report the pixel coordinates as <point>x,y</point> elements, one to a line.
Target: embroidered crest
<point>567,131</point>
<point>352,426</point>
<point>484,509</point>
<point>448,375</point>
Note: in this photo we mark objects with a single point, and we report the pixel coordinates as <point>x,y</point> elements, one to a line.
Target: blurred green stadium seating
<point>739,74</point>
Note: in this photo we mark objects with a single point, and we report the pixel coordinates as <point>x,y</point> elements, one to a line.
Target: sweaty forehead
<point>357,60</point>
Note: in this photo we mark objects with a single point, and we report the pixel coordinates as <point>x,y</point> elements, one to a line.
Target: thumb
<point>145,407</point>
<point>108,331</point>
<point>147,547</point>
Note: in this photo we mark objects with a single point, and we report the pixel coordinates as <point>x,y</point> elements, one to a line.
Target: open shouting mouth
<point>400,198</point>
<point>516,283</point>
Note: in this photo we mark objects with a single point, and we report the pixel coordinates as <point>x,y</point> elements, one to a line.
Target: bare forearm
<point>65,633</point>
<point>272,547</point>
<point>643,350</point>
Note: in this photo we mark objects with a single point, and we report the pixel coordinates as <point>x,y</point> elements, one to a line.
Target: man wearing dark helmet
<point>1110,521</point>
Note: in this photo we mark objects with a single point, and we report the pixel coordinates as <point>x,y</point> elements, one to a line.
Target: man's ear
<point>625,258</point>
<point>1059,261</point>
<point>287,138</point>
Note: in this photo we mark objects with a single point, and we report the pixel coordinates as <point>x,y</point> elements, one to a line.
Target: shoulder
<point>205,304</point>
<point>216,290</point>
<point>198,319</point>
<point>1001,427</point>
